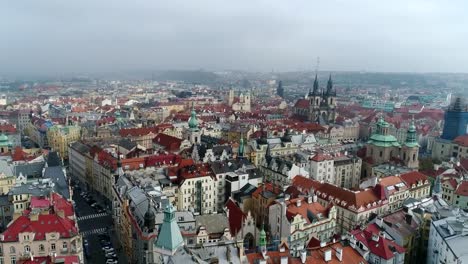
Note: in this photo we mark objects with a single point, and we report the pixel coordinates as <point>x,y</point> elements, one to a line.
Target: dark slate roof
<point>127,144</point>
<point>29,169</point>
<point>53,159</point>
<point>58,177</point>
<point>218,150</point>
<point>80,147</point>
<point>245,191</point>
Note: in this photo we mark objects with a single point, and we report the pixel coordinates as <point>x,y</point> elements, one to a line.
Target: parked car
<point>111,255</point>
<point>111,261</point>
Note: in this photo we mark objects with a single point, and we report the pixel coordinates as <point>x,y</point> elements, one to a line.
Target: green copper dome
<point>3,138</point>
<point>193,122</point>
<point>262,239</point>
<point>381,138</point>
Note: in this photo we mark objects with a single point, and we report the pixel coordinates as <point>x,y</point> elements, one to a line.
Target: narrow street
<point>92,224</point>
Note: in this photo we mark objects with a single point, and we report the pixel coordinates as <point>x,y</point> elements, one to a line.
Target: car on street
<point>111,255</point>
<point>112,261</point>
<point>108,250</point>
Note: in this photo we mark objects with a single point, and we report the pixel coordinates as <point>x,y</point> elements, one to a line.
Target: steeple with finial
<point>193,122</point>
<point>411,140</point>
<point>241,147</point>
<point>262,242</point>
<point>149,218</point>
<point>315,91</point>
<point>329,91</point>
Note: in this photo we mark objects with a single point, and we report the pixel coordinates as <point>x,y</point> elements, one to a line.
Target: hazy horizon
<point>56,37</point>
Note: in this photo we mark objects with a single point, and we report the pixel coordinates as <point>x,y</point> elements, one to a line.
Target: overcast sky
<point>112,35</point>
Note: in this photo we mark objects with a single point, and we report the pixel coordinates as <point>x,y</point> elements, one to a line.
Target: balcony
<point>64,250</point>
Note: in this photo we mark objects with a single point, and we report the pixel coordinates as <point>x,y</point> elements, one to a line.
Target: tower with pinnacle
<point>322,103</point>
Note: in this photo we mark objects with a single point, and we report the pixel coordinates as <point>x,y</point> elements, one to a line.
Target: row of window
<point>27,248</point>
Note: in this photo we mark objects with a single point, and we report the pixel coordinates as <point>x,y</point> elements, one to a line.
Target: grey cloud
<point>86,36</point>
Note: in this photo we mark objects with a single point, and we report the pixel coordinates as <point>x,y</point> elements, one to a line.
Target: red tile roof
<point>39,202</point>
<point>62,204</point>
<point>452,182</point>
<point>302,103</point>
<point>368,198</point>
<point>236,217</point>
<point>319,157</point>
<point>169,143</point>
<point>461,140</point>
<point>49,260</point>
<point>315,208</point>
<point>383,248</point>
<point>138,131</point>
<point>7,128</point>
<point>462,189</point>
<point>45,224</point>
<point>349,255</point>
<point>413,178</point>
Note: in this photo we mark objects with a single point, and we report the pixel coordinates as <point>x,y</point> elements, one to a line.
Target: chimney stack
<point>327,255</point>
<point>309,199</point>
<point>408,218</point>
<point>303,256</point>
<point>298,202</point>
<point>339,254</point>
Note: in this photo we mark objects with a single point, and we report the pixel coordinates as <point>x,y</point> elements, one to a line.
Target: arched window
<point>27,249</point>
<point>12,250</point>
<point>41,247</point>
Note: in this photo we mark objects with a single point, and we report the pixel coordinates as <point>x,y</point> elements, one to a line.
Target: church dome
<point>3,138</point>
<point>193,122</point>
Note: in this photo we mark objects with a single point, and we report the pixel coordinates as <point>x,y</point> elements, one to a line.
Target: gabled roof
<point>462,189</point>
<point>413,177</point>
<point>384,248</point>
<point>169,143</point>
<point>45,224</point>
<point>236,217</point>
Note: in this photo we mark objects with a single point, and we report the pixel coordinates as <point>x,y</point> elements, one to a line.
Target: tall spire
<point>241,146</point>
<point>120,171</point>
<point>149,218</point>
<point>329,85</point>
<point>316,86</point>
<point>262,242</point>
<point>280,89</point>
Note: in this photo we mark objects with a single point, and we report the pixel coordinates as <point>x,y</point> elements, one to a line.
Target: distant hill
<point>186,76</point>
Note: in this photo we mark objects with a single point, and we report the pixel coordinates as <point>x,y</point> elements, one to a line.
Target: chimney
<point>408,218</point>
<point>286,197</point>
<point>298,202</point>
<point>314,198</point>
<point>328,255</point>
<point>375,237</point>
<point>309,200</point>
<point>303,256</point>
<point>323,244</point>
<point>339,254</point>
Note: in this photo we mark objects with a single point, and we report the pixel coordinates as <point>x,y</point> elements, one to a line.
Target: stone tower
<point>193,133</point>
<point>410,149</point>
